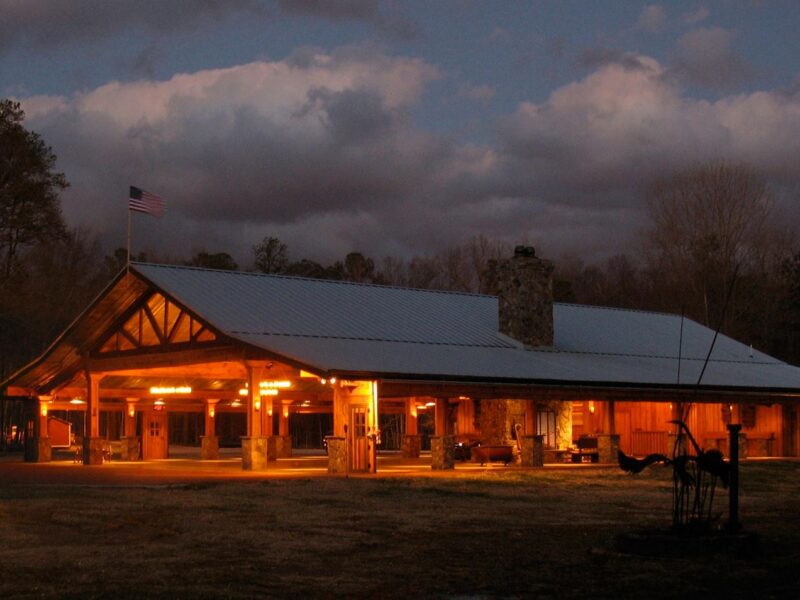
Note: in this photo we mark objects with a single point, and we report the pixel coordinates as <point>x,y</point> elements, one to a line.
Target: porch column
<point>442,444</point>
<point>209,442</point>
<point>337,443</point>
<point>130,441</point>
<point>530,417</point>
<point>38,449</point>
<point>254,444</point>
<point>268,406</point>
<point>284,439</point>
<point>411,441</point>
<point>440,417</point>
<point>92,442</point>
<point>608,441</point>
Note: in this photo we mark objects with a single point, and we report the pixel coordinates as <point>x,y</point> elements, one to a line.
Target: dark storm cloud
<point>52,23</point>
<point>594,58</point>
<point>386,16</point>
<point>322,152</point>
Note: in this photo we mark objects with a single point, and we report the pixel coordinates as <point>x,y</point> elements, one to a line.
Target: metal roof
<point>358,328</point>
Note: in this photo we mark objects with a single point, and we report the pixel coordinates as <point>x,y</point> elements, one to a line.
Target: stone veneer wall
<point>563,424</point>
<point>498,419</point>
<point>524,287</point>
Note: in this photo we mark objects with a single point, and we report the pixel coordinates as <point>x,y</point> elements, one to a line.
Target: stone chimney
<point>524,286</point>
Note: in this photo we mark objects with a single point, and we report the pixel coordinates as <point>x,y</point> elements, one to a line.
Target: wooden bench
<point>485,454</point>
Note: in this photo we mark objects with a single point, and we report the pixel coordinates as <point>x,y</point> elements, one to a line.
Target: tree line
<point>714,251</point>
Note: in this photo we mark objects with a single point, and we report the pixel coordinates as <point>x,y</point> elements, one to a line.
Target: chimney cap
<point>527,251</point>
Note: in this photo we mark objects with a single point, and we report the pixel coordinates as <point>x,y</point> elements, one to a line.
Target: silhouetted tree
<point>219,260</point>
<point>271,255</point>
<point>30,212</point>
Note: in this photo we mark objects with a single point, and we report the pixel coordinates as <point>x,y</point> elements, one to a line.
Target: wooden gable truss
<point>157,323</point>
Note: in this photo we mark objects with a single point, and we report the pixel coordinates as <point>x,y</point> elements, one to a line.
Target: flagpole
<point>128,263</point>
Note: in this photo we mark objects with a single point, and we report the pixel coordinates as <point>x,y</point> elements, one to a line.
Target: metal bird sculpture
<point>694,477</point>
<point>633,465</point>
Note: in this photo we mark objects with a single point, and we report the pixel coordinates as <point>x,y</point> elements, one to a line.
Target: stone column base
<point>273,442</point>
<point>337,454</point>
<point>531,453</point>
<point>254,453</point>
<point>411,445</point>
<point>38,449</point>
<point>209,447</point>
<point>129,449</point>
<point>442,452</point>
<point>607,448</point>
<point>93,451</point>
<point>284,446</point>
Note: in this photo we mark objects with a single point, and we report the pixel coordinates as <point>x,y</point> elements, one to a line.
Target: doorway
<point>154,436</point>
<point>359,446</point>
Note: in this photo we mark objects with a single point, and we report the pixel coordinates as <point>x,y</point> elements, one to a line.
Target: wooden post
<point>609,421</point>
<point>254,408</point>
<point>440,419</point>
<point>283,420</point>
<point>130,417</point>
<point>210,428</point>
<point>92,429</point>
<point>733,483</point>
<point>530,417</point>
<point>92,444</point>
<point>412,418</point>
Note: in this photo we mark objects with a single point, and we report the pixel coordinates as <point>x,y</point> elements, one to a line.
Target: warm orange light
<point>276,385</point>
<point>333,380</point>
<point>211,411</point>
<point>258,404</point>
<point>44,410</point>
<point>159,402</point>
<point>591,407</point>
<point>164,390</point>
<point>430,404</point>
<point>285,412</point>
<point>323,381</point>
<point>77,401</point>
<point>269,411</point>
<point>306,374</point>
<point>131,412</point>
<point>263,392</point>
<point>236,403</point>
<point>413,411</point>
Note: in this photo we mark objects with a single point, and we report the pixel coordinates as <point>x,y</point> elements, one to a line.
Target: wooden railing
<point>649,442</point>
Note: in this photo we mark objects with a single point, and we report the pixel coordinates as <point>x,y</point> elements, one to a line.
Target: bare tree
<point>708,222</point>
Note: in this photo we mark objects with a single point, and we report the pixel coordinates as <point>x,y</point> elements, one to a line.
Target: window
<point>546,426</point>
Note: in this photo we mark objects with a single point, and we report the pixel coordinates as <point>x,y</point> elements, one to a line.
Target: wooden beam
<point>159,357</point>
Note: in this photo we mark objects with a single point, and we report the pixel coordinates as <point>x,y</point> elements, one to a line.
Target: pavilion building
<point>241,356</point>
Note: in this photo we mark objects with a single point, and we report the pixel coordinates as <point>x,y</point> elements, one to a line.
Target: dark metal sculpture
<point>694,479</point>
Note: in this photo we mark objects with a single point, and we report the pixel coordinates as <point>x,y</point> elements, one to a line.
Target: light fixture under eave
<point>236,403</point>
<point>159,402</point>
<point>166,390</point>
<point>277,385</point>
<point>430,404</point>
<point>77,401</point>
<point>262,392</point>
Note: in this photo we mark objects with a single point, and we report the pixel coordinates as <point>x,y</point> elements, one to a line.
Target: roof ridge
<point>316,279</point>
<point>620,309</point>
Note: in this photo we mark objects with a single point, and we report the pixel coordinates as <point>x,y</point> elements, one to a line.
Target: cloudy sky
<point>396,127</point>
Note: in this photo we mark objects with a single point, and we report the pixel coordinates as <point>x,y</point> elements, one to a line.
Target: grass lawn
<point>510,533</point>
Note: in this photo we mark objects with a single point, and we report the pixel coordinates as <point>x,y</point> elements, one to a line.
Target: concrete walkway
<point>14,471</point>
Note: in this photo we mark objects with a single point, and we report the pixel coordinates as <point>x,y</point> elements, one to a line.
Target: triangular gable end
<point>156,322</point>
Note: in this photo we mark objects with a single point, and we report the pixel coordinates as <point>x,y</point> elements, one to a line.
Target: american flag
<point>145,202</point>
